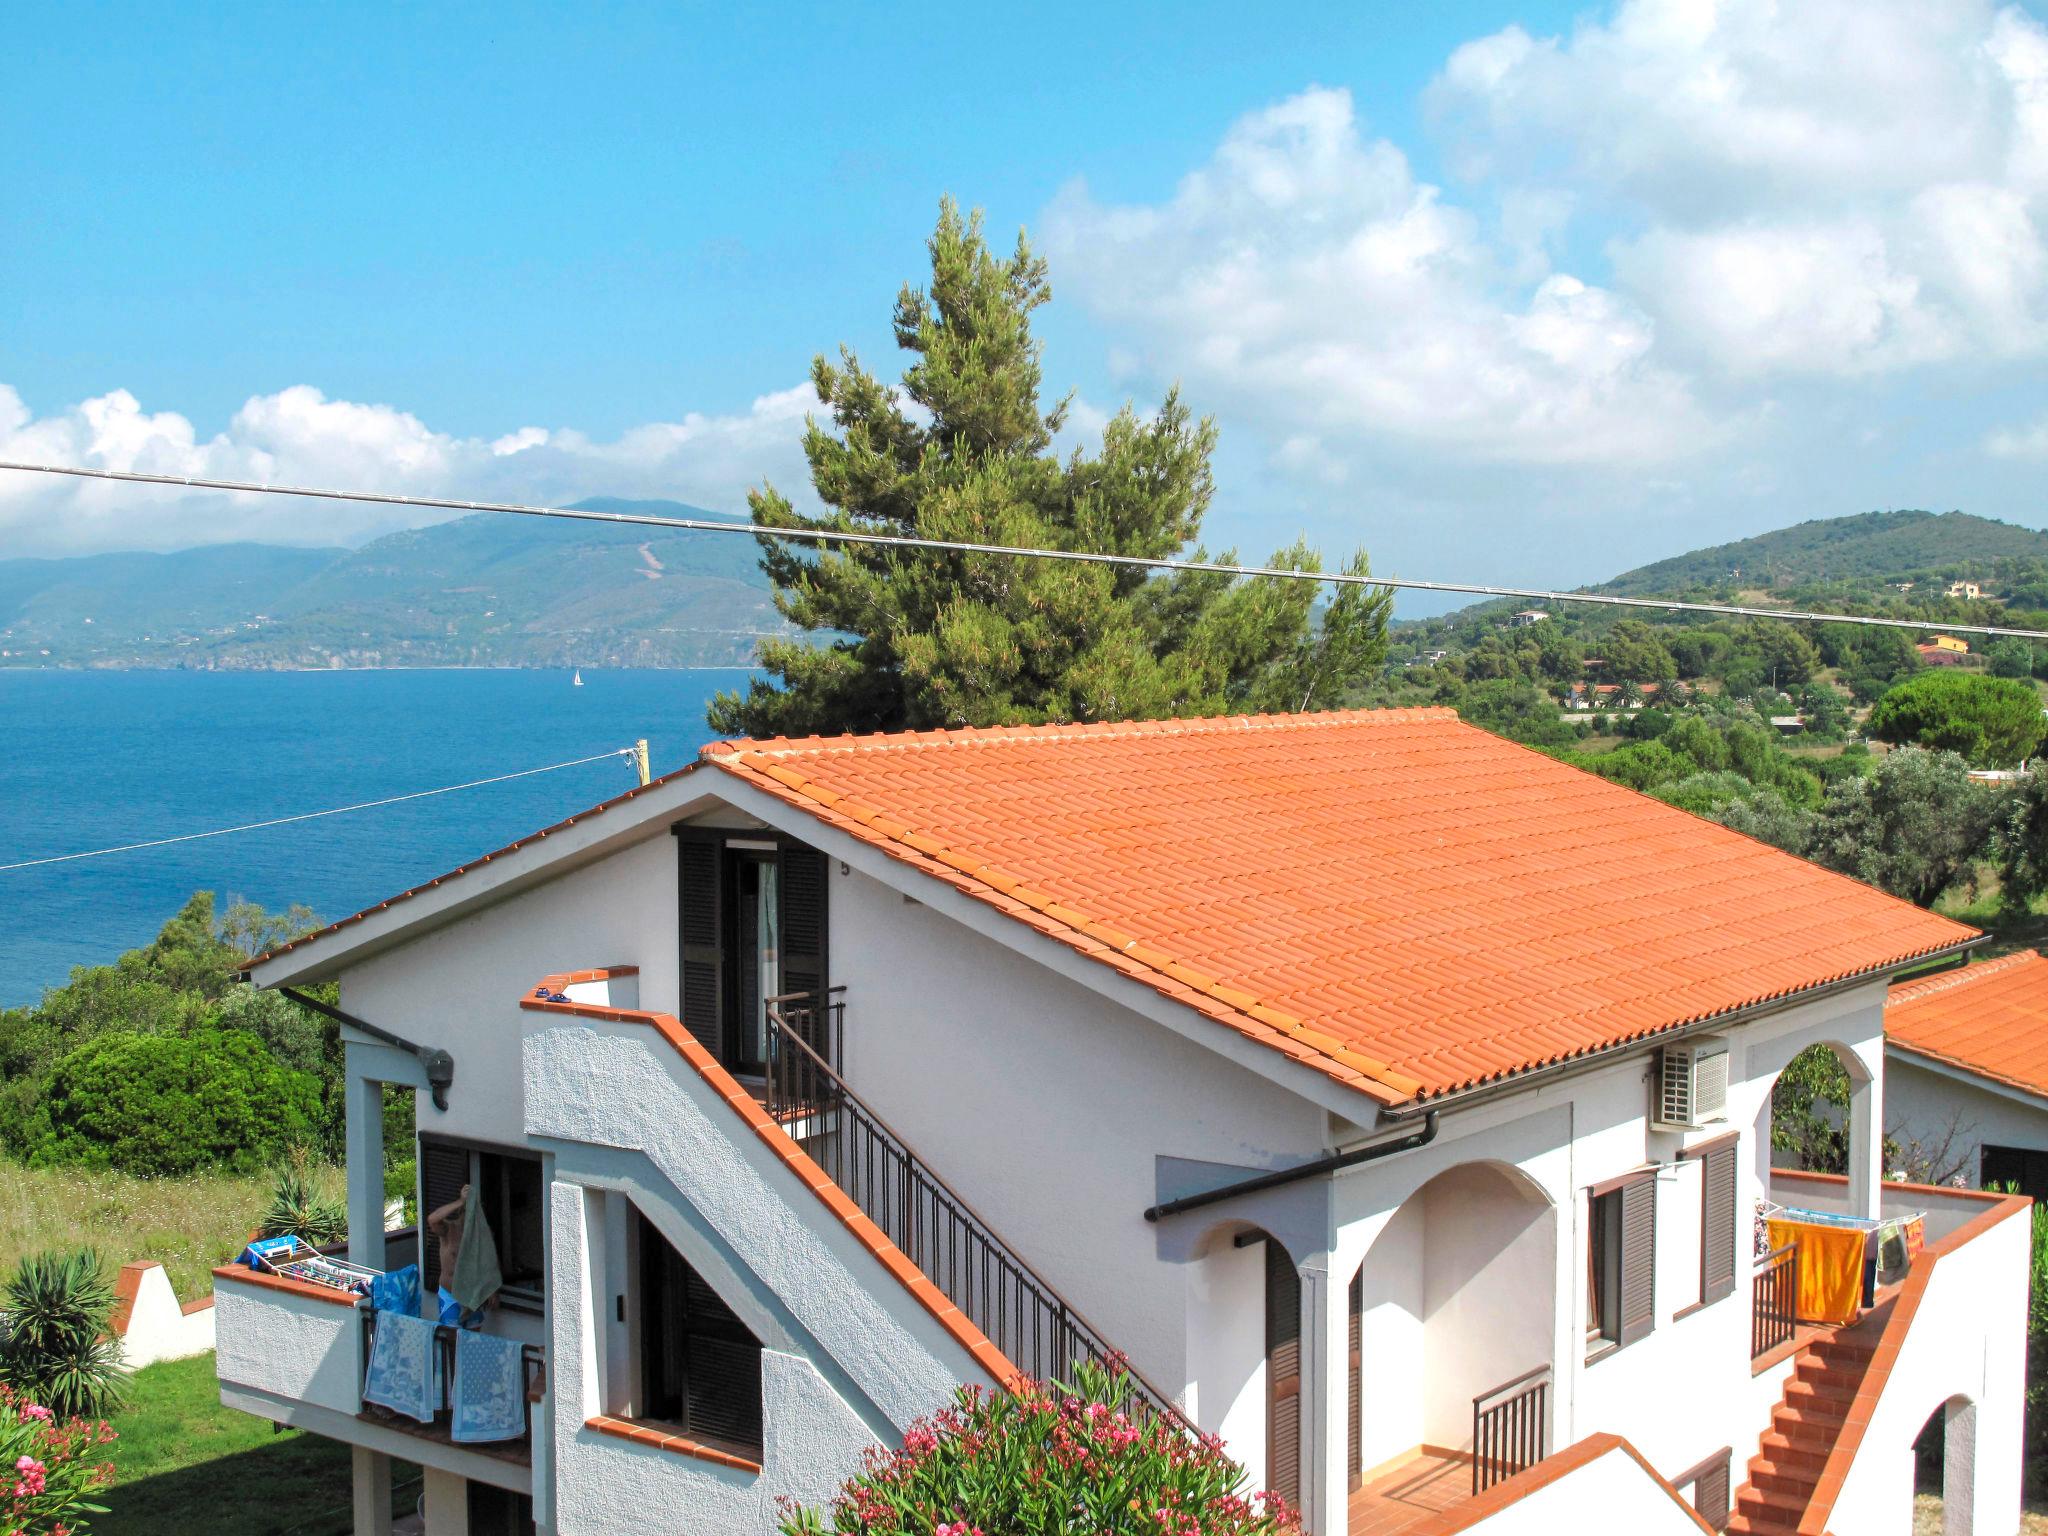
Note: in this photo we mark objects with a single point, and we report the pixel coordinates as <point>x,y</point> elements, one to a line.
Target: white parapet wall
<point>288,1342</point>
<point>1600,1483</point>
<point>148,1321</point>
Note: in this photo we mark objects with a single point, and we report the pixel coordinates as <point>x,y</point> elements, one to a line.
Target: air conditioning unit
<point>1691,1085</point>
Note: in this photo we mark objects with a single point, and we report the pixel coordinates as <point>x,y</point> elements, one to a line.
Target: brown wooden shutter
<point>1717,1223</point>
<point>1354,1453</point>
<point>1710,1492</point>
<point>700,906</point>
<point>443,1172</point>
<point>722,1384</point>
<point>1283,1374</point>
<point>805,901</point>
<point>1638,1258</point>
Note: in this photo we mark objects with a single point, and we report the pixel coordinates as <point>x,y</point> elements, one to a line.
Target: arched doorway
<point>1945,1470</point>
<point>1456,1295</point>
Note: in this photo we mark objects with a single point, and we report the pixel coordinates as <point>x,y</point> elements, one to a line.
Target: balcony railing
<point>1510,1428</point>
<point>937,1231</point>
<point>1774,1301</point>
<point>533,1378</point>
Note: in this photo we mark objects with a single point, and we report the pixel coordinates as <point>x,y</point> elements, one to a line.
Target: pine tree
<point>963,451</point>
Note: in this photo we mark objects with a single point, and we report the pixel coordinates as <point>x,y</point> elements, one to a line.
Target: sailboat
<point>577,680</point>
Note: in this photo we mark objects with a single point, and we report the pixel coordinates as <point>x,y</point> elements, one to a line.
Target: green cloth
<point>476,1278</point>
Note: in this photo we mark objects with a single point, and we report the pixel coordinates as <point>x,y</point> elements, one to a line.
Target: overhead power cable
<point>338,810</point>
<point>964,547</point>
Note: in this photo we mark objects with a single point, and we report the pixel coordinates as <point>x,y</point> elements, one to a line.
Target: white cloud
<point>1304,279</point>
<point>1841,187</point>
<point>2027,443</point>
<point>299,436</point>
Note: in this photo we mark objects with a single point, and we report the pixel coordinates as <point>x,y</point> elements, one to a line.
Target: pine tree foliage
<point>964,451</point>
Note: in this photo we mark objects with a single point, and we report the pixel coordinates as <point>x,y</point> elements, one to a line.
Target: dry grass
<point>188,1225</point>
<point>1927,1516</point>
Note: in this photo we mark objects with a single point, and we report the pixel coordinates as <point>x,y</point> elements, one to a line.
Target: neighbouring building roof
<point>1394,897</point>
<point>1990,1019</point>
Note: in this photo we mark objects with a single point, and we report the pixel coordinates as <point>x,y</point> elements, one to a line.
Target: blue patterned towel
<point>401,1374</point>
<point>490,1388</point>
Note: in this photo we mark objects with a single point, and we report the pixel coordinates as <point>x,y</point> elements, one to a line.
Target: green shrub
<point>1044,1462</point>
<point>46,1477</point>
<point>55,1349</point>
<point>302,1206</point>
<point>171,1104</point>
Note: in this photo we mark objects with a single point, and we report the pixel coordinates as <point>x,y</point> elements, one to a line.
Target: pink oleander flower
<point>36,1411</point>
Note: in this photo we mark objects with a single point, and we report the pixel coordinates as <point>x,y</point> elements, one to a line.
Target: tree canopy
<point>1914,825</point>
<point>964,450</point>
<point>1992,721</point>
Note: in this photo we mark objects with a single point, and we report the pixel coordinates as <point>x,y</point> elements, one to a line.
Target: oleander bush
<point>49,1468</point>
<point>1047,1460</point>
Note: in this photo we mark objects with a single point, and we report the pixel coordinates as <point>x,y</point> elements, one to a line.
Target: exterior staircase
<point>1804,1427</point>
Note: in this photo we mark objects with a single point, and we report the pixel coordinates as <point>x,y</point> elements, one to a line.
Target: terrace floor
<point>1410,1493</point>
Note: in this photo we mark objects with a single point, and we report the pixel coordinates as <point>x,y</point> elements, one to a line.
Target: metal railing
<point>1510,1428</point>
<point>1774,1301</point>
<point>533,1381</point>
<point>940,1233</point>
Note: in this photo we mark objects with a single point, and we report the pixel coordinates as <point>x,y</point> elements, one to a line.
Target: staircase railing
<point>958,1251</point>
<point>1774,1301</point>
<point>1510,1428</point>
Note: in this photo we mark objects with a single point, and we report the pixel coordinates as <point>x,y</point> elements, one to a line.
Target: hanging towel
<point>401,1373</point>
<point>397,1290</point>
<point>490,1388</point>
<point>1830,1268</point>
<point>475,1278</point>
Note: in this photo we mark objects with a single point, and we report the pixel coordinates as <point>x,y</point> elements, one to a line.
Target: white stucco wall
<point>1225,1391</point>
<point>290,1346</point>
<point>157,1327</point>
<point>1612,1492</point>
<point>1967,1340</point>
<point>1937,1108</point>
<point>850,1357</point>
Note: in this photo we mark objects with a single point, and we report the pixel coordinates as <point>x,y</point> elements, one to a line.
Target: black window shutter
<point>1283,1374</point>
<point>700,907</point>
<point>1354,1454</point>
<point>723,1384</point>
<point>1710,1492</point>
<point>443,1172</point>
<point>1717,1223</point>
<point>805,903</point>
<point>1638,1258</point>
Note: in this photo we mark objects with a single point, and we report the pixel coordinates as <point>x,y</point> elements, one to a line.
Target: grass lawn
<point>188,1225</point>
<point>186,1466</point>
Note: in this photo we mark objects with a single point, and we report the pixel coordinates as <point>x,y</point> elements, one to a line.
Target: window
<point>700,1368</point>
<point>508,1186</point>
<point>2023,1166</point>
<point>1706,1487</point>
<point>1718,1236</point>
<point>753,915</point>
<point>1621,1266</point>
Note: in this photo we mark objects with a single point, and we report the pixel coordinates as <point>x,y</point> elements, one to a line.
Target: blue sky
<point>1508,291</point>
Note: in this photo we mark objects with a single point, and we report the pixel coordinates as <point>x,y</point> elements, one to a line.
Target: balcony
<point>295,1353</point>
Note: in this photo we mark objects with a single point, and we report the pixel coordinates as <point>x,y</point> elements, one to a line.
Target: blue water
<point>99,758</point>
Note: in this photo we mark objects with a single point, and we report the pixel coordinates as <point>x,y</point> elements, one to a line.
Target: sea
<point>97,759</point>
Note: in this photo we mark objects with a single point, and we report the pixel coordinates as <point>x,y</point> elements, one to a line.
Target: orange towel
<point>1830,1269</point>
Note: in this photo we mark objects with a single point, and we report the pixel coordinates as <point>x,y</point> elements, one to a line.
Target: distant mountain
<point>486,590</point>
<point>1871,546</point>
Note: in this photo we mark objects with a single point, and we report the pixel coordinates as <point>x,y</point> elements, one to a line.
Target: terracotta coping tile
<point>262,1278</point>
<point>667,1440</point>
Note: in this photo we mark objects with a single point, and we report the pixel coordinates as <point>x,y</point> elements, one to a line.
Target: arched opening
<point>1456,1296</point>
<point>1945,1470</point>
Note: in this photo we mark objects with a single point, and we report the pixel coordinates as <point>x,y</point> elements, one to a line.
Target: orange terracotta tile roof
<point>1392,897</point>
<point>1990,1018</point>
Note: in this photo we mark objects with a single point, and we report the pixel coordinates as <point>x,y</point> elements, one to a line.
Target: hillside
<point>486,590</point>
<point>1870,546</point>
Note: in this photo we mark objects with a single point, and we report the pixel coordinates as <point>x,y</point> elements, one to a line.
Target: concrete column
<point>1866,1142</point>
<point>1323,1400</point>
<point>447,1503</point>
<point>363,1103</point>
<point>1959,1468</point>
<point>371,1490</point>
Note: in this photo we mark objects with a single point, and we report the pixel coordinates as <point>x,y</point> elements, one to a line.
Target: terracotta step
<point>1827,1397</point>
<point>1768,1477</point>
<point>1806,1424</point>
<point>1850,1376</point>
<point>1757,1502</point>
<point>1740,1524</point>
<point>1784,1451</point>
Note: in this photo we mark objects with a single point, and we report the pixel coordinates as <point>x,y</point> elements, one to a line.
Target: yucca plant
<point>55,1348</point>
<point>301,1207</point>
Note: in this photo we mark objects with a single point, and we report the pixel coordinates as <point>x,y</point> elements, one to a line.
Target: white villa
<point>1395,1099</point>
